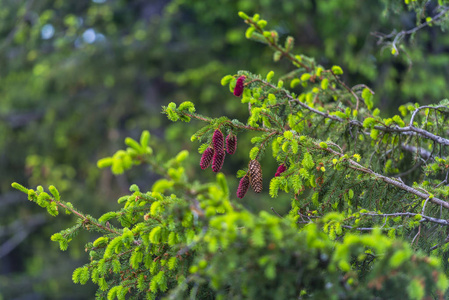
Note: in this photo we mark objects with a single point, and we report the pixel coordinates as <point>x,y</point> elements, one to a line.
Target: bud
<point>281,169</point>
<point>218,160</point>
<point>231,143</point>
<point>238,90</point>
<point>243,187</point>
<point>255,173</point>
<point>206,158</point>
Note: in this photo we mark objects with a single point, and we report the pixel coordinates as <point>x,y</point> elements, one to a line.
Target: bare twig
<point>417,235</point>
<point>348,89</point>
<point>276,213</point>
<point>363,228</point>
<point>439,245</point>
<point>400,35</point>
<point>422,152</point>
<point>424,206</point>
<point>443,182</point>
<point>424,218</point>
<point>423,107</point>
<point>419,164</point>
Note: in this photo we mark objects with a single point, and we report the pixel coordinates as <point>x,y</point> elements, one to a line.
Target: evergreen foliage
<point>368,213</point>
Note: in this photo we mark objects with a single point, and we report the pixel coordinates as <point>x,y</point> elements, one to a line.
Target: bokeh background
<point>77,77</point>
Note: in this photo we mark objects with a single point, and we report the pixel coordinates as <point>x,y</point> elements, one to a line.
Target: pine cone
<point>243,187</point>
<point>238,90</point>
<point>206,158</point>
<point>281,169</point>
<point>217,140</point>
<point>255,173</point>
<point>218,160</point>
<point>231,143</point>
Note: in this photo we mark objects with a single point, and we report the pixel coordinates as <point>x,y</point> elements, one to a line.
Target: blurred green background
<point>77,77</point>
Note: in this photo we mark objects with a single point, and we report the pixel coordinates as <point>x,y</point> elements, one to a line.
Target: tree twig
<point>399,36</point>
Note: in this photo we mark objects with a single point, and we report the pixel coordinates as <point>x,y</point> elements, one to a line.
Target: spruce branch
<point>237,126</point>
<point>424,195</point>
<point>364,228</point>
<point>275,46</point>
<point>423,107</point>
<point>418,150</point>
<point>351,91</point>
<point>352,164</point>
<point>407,130</point>
<point>409,214</point>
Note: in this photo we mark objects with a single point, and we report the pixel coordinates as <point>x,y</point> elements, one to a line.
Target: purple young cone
<point>281,169</point>
<point>218,160</point>
<point>218,141</point>
<point>238,90</point>
<point>231,143</point>
<point>243,187</point>
<point>206,158</point>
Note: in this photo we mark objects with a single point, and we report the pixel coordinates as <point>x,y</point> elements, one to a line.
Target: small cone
<point>238,90</point>
<point>243,187</point>
<point>281,169</point>
<point>218,140</point>
<point>255,173</point>
<point>206,158</point>
<point>218,160</point>
<point>219,152</point>
<point>231,143</point>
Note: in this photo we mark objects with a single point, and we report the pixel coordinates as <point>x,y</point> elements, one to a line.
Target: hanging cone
<point>206,158</point>
<point>217,140</point>
<point>255,173</point>
<point>238,90</point>
<point>231,143</point>
<point>218,160</point>
<point>243,187</point>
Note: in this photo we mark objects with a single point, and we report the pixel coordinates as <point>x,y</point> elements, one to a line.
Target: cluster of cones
<point>215,153</point>
<point>253,177</point>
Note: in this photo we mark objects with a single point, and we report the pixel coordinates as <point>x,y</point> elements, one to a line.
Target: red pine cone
<point>206,158</point>
<point>281,169</point>
<point>231,143</point>
<point>217,140</point>
<point>243,187</point>
<point>238,90</point>
<point>218,160</point>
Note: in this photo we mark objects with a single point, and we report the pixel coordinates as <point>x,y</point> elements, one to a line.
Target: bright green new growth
<point>353,226</point>
<point>135,154</point>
